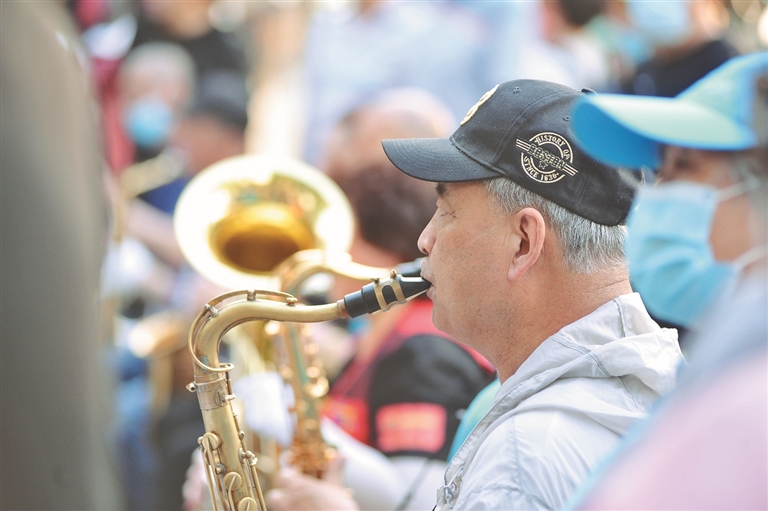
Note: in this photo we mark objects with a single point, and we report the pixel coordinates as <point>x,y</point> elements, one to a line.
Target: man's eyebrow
<point>442,189</point>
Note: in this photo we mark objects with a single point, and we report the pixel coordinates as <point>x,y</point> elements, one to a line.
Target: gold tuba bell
<point>240,218</point>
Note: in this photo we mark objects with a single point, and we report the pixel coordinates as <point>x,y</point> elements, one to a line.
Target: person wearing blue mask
<point>697,249</point>
<point>686,41</point>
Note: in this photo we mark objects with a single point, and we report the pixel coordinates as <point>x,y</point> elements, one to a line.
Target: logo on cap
<point>546,157</point>
<point>477,105</point>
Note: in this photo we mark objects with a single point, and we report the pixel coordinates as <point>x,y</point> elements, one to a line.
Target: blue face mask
<point>671,263</point>
<point>661,23</point>
<point>148,123</point>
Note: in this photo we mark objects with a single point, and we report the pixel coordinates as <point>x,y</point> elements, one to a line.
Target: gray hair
<point>587,247</point>
<point>750,165</point>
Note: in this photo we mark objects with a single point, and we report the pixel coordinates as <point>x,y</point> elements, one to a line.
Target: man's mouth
<point>431,289</point>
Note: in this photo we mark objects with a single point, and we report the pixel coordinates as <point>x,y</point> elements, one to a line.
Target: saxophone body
<point>230,466</point>
<point>310,453</point>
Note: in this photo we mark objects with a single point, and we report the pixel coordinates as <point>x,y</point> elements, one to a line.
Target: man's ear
<point>530,230</point>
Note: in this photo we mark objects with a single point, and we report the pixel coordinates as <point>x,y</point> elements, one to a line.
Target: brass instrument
<point>152,173</point>
<point>240,218</point>
<point>158,338</point>
<point>230,466</point>
<point>310,453</point>
<point>235,223</point>
<point>265,223</point>
<point>143,177</point>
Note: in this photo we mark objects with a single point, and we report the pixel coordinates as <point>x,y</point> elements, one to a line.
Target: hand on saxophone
<point>296,492</point>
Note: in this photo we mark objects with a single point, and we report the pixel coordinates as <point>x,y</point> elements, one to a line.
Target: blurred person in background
<point>156,83</point>
<point>134,24</point>
<point>687,40</point>
<point>355,49</point>
<point>211,128</point>
<point>187,23</point>
<point>698,253</point>
<point>550,41</point>
<point>575,49</point>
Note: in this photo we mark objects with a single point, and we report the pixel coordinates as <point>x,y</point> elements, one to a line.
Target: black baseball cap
<point>521,130</point>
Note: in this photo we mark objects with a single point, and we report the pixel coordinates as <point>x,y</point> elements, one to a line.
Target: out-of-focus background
<point>110,108</point>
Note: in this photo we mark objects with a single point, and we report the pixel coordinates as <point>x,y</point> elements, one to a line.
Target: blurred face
<point>465,246</point>
<point>734,220</point>
<point>205,141</point>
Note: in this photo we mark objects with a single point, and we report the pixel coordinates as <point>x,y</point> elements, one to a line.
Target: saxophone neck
<point>231,309</point>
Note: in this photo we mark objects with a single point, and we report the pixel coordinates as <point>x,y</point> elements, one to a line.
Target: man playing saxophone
<point>525,257</point>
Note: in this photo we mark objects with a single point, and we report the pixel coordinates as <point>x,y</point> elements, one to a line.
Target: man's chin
<point>438,321</point>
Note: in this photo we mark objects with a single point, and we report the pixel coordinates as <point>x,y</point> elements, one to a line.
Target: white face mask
<point>662,23</point>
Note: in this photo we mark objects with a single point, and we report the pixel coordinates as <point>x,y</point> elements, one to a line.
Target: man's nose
<point>427,239</point>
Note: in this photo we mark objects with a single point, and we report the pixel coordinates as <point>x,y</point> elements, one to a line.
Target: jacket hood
<point>619,340</point>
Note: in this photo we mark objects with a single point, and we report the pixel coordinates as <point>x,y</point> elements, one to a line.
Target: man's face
<point>466,262</point>
<point>730,234</point>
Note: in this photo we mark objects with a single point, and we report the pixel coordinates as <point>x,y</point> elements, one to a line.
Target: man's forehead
<point>455,190</point>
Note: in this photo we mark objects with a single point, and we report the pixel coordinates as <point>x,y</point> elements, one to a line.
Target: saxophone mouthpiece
<point>381,295</point>
<point>410,269</point>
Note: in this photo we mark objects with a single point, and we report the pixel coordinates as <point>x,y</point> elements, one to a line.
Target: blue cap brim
<point>627,131</point>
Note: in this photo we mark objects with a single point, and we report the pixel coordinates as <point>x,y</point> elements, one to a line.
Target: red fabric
<point>420,323</point>
<point>351,414</point>
<point>91,12</point>
<point>411,427</point>
<point>347,401</point>
<point>118,147</point>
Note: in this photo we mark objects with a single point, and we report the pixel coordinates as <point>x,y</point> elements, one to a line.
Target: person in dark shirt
<point>186,23</point>
<point>687,44</point>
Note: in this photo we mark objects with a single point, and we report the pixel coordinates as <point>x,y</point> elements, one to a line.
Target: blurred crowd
<point>183,85</point>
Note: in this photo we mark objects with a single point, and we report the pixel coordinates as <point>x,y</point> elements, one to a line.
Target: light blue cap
<point>718,112</point>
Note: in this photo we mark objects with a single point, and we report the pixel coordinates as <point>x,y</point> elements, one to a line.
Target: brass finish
<point>310,453</point>
<point>150,174</point>
<point>240,218</point>
<point>158,338</point>
<point>230,466</point>
<point>235,223</point>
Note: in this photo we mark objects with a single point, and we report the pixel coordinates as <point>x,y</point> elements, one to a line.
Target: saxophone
<point>229,465</point>
<point>235,222</point>
<point>310,454</point>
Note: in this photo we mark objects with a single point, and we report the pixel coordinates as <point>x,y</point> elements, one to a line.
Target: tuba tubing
<point>230,466</point>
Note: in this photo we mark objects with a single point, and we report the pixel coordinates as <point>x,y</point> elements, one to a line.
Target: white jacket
<point>564,409</point>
